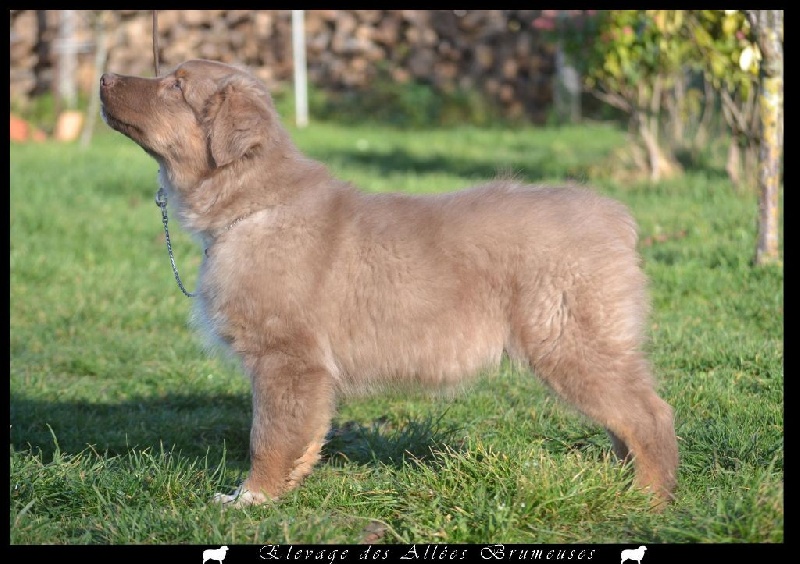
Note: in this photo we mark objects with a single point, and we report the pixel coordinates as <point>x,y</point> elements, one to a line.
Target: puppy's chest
<point>207,315</point>
<point>239,292</point>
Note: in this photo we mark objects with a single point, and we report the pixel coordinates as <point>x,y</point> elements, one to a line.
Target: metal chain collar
<point>161,202</point>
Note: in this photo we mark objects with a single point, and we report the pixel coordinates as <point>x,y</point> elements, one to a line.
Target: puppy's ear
<point>236,120</point>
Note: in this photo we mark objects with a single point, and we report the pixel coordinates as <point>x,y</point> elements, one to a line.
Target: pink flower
<point>544,24</point>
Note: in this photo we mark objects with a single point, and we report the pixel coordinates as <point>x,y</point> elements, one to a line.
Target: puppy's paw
<point>240,498</point>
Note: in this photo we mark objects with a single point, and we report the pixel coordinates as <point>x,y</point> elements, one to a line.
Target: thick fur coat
<point>320,288</point>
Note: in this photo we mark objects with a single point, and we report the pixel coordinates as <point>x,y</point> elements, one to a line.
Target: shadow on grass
<point>198,425</point>
<point>194,424</point>
<point>536,165</point>
<point>528,163</point>
<point>389,443</point>
<point>700,162</point>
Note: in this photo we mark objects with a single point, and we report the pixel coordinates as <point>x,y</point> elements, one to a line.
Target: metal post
<point>67,59</point>
<point>300,80</point>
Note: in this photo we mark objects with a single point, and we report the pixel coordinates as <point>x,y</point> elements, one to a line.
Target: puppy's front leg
<point>293,405</point>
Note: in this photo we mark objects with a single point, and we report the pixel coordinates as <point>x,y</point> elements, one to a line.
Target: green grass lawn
<point>122,428</point>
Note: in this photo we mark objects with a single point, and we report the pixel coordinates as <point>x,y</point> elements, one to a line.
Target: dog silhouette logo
<point>633,554</point>
<point>215,554</point>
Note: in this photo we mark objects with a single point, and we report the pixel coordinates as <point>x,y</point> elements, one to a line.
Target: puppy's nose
<point>107,80</point>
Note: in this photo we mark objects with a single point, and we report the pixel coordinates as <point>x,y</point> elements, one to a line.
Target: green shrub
<point>410,105</point>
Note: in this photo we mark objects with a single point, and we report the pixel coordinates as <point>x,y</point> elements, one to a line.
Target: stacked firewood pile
<point>495,51</point>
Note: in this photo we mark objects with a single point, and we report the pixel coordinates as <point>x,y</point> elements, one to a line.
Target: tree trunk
<point>768,26</point>
<point>677,109</point>
<point>734,164</point>
<point>654,157</point>
<point>703,131</point>
<point>568,86</point>
<point>661,163</point>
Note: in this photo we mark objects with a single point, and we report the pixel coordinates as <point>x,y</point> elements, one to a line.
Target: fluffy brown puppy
<point>319,288</point>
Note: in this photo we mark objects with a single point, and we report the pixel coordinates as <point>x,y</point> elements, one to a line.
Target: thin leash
<point>161,195</point>
<point>161,202</point>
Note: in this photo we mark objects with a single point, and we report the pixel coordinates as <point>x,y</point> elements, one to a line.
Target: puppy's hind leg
<point>617,392</point>
<point>585,339</point>
<point>293,404</point>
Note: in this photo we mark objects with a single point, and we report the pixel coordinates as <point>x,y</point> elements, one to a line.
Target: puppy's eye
<point>177,84</point>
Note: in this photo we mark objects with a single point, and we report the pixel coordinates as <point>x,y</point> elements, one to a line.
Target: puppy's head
<point>202,116</point>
